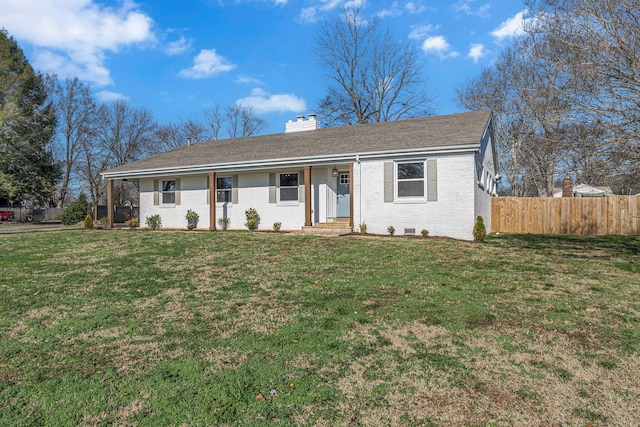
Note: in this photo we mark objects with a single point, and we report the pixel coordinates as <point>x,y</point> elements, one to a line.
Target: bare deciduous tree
<point>565,96</point>
<point>523,88</point>
<point>123,134</point>
<point>91,162</point>
<point>170,136</point>
<point>377,77</point>
<point>242,121</point>
<point>601,48</point>
<point>213,120</point>
<point>76,109</point>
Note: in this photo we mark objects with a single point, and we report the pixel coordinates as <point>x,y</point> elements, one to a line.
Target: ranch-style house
<point>435,173</point>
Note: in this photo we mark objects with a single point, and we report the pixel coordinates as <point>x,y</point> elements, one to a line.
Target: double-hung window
<point>288,187</point>
<point>410,179</point>
<point>223,189</point>
<point>168,192</point>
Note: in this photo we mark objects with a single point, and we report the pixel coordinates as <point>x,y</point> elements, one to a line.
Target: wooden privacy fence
<point>595,216</point>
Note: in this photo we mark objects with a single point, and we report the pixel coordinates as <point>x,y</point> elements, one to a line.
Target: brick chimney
<point>567,187</point>
<point>301,124</point>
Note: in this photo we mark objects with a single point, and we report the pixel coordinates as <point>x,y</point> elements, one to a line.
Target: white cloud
<point>512,27</point>
<point>179,46</point>
<point>476,52</point>
<point>264,102</point>
<point>414,8</point>
<point>308,15</point>
<point>74,35</point>
<point>435,44</point>
<point>439,46</point>
<point>109,96</point>
<point>466,7</point>
<point>419,32</point>
<point>312,14</point>
<point>352,3</point>
<point>396,10</point>
<point>207,64</point>
<point>393,11</point>
<point>248,80</point>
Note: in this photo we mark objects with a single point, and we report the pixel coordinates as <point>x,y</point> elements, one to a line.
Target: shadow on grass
<point>584,246</point>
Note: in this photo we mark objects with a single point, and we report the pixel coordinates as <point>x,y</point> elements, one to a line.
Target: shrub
<point>76,211</point>
<point>363,228</point>
<point>153,222</point>
<point>224,223</point>
<point>252,219</point>
<point>276,226</point>
<point>103,222</point>
<point>425,233</point>
<point>391,230</point>
<point>88,221</point>
<point>132,222</point>
<point>192,219</point>
<point>479,230</point>
<point>251,224</point>
<point>192,215</point>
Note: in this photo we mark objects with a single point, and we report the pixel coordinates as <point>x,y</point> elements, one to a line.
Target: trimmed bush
<point>479,230</point>
<point>425,233</point>
<point>103,222</point>
<point>153,222</point>
<point>88,221</point>
<point>192,218</point>
<point>252,219</point>
<point>276,226</point>
<point>132,222</point>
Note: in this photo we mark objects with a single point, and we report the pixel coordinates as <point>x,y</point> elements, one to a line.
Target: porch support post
<point>307,196</point>
<point>110,202</point>
<point>351,195</point>
<point>212,201</point>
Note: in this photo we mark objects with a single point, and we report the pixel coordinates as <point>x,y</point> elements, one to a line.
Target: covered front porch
<point>329,195</point>
<point>308,197</point>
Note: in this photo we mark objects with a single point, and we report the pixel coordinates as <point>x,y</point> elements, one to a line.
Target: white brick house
<point>436,173</point>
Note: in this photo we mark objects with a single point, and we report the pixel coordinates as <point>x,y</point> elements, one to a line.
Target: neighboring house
<point>435,173</point>
<point>584,190</point>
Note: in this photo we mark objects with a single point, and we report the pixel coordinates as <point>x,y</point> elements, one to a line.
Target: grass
<point>238,328</point>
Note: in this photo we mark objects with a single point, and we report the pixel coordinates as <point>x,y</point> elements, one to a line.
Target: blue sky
<point>178,57</point>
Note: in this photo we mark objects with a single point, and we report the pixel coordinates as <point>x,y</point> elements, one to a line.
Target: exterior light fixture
<point>335,172</point>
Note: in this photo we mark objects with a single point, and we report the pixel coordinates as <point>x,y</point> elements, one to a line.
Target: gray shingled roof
<point>455,130</point>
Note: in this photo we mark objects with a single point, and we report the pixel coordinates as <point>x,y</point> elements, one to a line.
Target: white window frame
<point>342,180</point>
<point>164,192</point>
<point>280,187</point>
<point>228,191</point>
<point>397,181</point>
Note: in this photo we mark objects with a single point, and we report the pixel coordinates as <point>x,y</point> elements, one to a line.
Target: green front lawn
<point>240,328</point>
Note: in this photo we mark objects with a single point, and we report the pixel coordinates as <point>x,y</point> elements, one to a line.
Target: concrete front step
<point>328,228</point>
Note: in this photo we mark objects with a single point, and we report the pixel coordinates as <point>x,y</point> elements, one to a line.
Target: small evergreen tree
<point>88,221</point>
<point>76,211</point>
<point>479,230</point>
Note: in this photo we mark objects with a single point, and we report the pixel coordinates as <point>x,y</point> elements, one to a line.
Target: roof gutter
<point>289,162</point>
